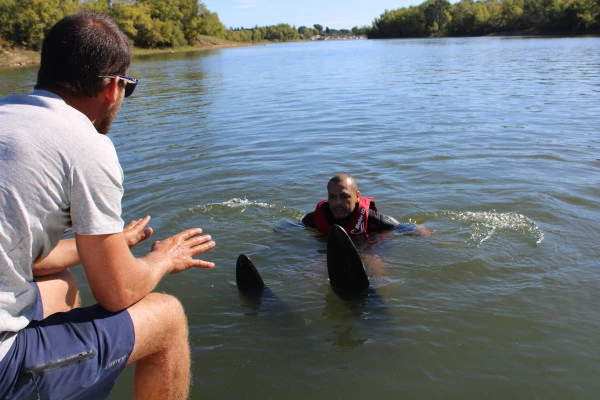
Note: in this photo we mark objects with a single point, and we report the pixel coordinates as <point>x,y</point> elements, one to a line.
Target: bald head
<point>343,178</point>
<point>342,195</point>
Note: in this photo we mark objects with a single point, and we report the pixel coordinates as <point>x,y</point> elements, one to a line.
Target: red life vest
<point>358,223</point>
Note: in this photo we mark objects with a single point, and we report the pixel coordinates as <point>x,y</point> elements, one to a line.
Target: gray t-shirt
<point>56,172</point>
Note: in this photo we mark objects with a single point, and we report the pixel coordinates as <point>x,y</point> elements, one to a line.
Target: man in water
<point>60,171</point>
<point>345,207</point>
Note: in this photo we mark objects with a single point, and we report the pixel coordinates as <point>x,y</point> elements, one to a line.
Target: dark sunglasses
<point>130,83</point>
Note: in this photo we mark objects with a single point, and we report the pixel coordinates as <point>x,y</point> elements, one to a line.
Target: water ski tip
<point>246,275</point>
<point>344,265</point>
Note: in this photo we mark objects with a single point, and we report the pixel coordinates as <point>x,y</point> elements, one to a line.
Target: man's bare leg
<point>59,292</point>
<point>161,350</point>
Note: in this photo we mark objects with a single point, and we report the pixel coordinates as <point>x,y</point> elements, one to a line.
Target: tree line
<point>477,18</point>
<point>286,33</point>
<point>175,23</point>
<point>148,23</point>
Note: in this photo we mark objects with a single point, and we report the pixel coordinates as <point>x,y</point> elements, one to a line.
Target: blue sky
<point>335,14</point>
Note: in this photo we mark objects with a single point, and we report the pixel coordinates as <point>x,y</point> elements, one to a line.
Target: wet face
<point>342,198</point>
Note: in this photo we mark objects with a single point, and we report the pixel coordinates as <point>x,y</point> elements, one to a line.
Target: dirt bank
<point>12,58</point>
<point>16,57</point>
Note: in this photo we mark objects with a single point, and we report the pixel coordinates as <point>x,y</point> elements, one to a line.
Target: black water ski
<point>257,295</point>
<point>246,276</point>
<point>344,265</point>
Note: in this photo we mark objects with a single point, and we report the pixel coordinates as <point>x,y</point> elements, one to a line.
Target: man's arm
<point>62,257</point>
<point>309,220</point>
<point>65,255</point>
<point>421,230</point>
<point>382,222</point>
<point>117,279</point>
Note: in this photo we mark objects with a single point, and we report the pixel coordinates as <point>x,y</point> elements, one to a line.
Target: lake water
<point>491,143</point>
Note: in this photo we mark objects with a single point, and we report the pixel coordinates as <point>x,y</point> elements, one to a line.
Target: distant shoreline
<point>17,57</point>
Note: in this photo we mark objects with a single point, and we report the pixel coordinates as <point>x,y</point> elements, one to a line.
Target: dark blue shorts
<point>74,355</point>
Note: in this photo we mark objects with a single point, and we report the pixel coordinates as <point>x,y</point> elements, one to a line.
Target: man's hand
<point>421,230</point>
<point>180,249</point>
<point>137,231</point>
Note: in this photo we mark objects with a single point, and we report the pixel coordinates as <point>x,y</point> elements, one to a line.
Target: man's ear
<point>357,195</point>
<point>111,91</point>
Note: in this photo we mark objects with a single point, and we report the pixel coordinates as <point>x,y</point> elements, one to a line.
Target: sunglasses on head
<point>130,83</point>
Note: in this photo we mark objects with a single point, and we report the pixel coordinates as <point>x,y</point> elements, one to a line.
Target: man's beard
<point>340,214</point>
<point>103,126</point>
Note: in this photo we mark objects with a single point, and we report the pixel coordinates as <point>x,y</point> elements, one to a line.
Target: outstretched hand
<point>181,248</point>
<point>137,231</point>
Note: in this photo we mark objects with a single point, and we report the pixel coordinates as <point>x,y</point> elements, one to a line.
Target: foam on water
<point>486,224</point>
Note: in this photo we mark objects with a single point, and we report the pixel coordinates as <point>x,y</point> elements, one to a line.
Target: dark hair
<point>78,49</point>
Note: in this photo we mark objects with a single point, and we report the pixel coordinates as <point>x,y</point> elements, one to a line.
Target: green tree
<point>404,22</point>
<point>210,24</point>
<point>463,19</point>
<point>362,31</point>
<point>100,6</point>
<point>481,25</point>
<point>512,15</point>
<point>163,10</point>
<point>146,34</point>
<point>583,16</point>
<point>281,33</point>
<point>259,34</point>
<point>164,27</point>
<point>190,20</point>
<point>437,15</point>
<point>305,32</point>
<point>31,19</point>
<point>534,14</point>
<point>239,35</point>
<point>128,17</point>
<point>6,16</point>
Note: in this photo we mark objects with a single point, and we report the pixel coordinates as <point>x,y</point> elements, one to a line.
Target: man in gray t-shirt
<point>60,171</point>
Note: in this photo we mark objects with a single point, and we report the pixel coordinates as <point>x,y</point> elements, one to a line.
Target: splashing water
<point>252,210</point>
<point>244,203</point>
<point>485,225</point>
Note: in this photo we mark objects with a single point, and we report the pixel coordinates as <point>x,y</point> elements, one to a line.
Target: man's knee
<point>59,292</point>
<point>168,308</point>
<point>159,322</point>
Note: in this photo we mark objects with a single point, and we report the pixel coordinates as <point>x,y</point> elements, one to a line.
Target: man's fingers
<point>198,245</point>
<point>187,244</point>
<point>203,264</point>
<point>190,233</point>
<point>202,244</point>
<point>139,223</point>
<point>196,240</point>
<point>147,233</point>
